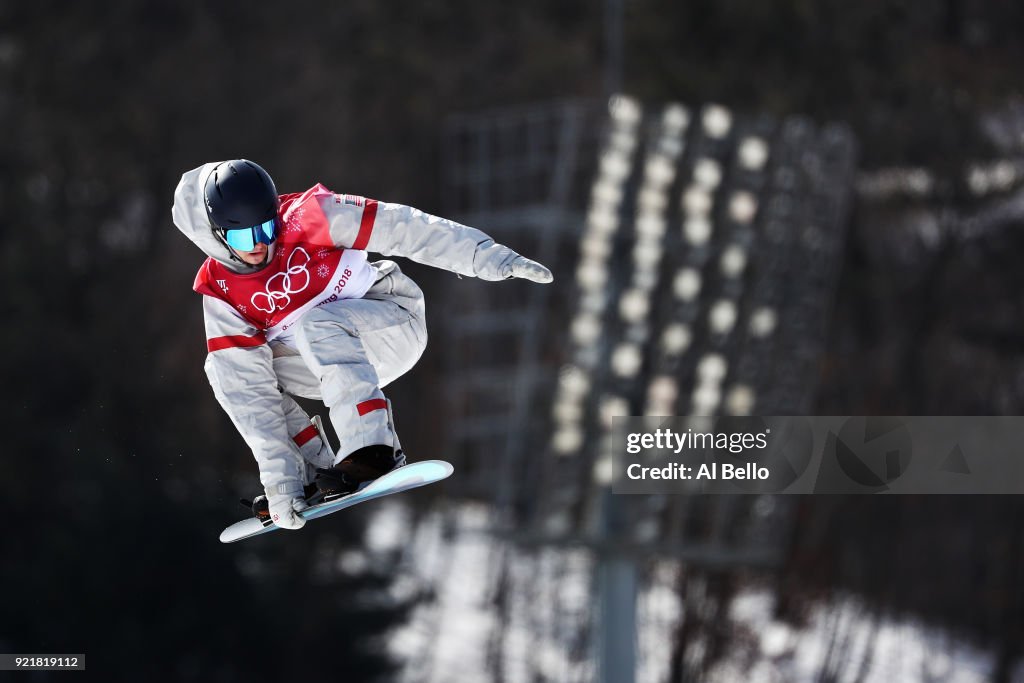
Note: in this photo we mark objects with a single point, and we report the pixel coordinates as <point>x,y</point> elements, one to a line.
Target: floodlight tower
<point>703,258</point>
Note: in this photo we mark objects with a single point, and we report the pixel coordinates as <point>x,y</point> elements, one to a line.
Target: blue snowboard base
<point>410,476</point>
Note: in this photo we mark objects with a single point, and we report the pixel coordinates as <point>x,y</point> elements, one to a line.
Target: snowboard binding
<point>356,471</point>
<point>362,466</point>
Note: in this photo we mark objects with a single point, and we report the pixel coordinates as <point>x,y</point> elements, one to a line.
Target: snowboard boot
<point>260,506</point>
<point>357,470</point>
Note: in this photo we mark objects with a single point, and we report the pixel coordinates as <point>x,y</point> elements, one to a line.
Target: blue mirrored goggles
<point>245,239</point>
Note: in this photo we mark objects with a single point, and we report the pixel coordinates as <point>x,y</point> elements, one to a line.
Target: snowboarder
<point>292,307</point>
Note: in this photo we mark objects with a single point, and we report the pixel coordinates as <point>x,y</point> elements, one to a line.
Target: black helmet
<point>240,194</point>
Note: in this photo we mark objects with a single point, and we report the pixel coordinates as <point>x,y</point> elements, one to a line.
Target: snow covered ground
<point>848,644</point>
<point>497,612</point>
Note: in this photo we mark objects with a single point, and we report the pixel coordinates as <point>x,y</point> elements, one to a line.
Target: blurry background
<point>799,208</point>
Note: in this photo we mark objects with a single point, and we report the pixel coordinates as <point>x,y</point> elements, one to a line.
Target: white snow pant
<point>315,450</point>
<point>353,348</point>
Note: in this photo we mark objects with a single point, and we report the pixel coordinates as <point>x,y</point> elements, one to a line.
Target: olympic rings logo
<point>281,286</point>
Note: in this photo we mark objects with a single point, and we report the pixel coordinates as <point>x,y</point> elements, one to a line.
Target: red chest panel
<point>304,261</point>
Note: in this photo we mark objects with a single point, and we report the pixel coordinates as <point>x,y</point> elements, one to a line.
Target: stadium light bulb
<point>568,411</point>
<point>652,200</point>
<point>613,406</point>
<point>650,225</point>
<point>624,110</point>
<point>586,329</point>
<point>626,360</point>
<point>753,153</point>
<point>675,339</point>
<point>723,316</point>
<point>717,121</point>
<point>647,254</point>
<point>607,194</point>
<point>762,322</point>
<point>662,393</point>
<point>675,118</point>
<point>595,248</point>
<point>707,173</point>
<point>573,382</point>
<point>740,400</point>
<point>659,171</point>
<point>697,231</point>
<point>568,440</point>
<point>697,201</point>
<point>604,471</point>
<point>742,207</point>
<point>687,283</point>
<point>712,368</point>
<point>733,261</point>
<point>706,399</point>
<point>591,274</point>
<point>634,305</point>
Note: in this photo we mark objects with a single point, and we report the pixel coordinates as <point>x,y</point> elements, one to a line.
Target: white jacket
<point>320,255</point>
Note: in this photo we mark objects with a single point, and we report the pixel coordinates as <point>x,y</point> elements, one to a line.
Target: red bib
<point>302,273</point>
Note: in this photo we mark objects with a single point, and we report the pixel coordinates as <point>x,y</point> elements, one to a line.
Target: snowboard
<point>407,477</point>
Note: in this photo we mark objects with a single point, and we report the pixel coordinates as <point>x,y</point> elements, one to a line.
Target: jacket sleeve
<point>239,366</point>
<point>398,230</point>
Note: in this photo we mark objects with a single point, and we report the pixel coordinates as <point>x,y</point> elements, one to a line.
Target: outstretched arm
<point>399,230</point>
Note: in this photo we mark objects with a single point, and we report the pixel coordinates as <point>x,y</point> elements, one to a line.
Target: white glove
<point>285,504</point>
<point>529,269</point>
<point>498,262</point>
